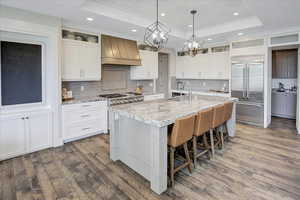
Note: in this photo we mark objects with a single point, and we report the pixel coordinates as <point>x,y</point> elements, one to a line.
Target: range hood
<point>119,51</point>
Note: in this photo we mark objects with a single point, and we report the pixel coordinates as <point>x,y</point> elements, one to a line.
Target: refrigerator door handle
<point>244,83</point>
<point>248,81</point>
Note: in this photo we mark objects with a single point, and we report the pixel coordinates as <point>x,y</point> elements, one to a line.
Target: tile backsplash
<point>288,83</point>
<point>81,89</point>
<point>200,85</point>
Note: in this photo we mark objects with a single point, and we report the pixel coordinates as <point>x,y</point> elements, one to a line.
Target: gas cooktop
<point>114,95</point>
<point>116,98</point>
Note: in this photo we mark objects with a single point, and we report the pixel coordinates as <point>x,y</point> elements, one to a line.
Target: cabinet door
<point>71,67</point>
<point>39,131</point>
<point>90,62</point>
<point>180,66</point>
<point>278,105</point>
<point>292,64</point>
<point>291,104</point>
<point>12,136</point>
<point>149,67</point>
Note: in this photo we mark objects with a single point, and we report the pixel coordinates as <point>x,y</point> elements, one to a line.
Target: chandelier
<point>157,34</point>
<point>192,46</point>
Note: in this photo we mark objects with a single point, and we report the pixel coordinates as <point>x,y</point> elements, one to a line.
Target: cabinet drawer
<point>77,116</point>
<point>81,129</point>
<point>85,106</point>
<point>153,97</point>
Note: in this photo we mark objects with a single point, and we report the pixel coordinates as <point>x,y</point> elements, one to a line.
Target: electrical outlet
<point>150,84</point>
<point>82,88</point>
<point>204,84</point>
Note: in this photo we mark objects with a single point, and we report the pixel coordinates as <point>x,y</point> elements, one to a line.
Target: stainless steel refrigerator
<point>247,84</point>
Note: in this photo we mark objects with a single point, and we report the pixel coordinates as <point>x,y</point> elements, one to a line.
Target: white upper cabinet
<point>203,66</point>
<point>149,68</point>
<point>81,61</point>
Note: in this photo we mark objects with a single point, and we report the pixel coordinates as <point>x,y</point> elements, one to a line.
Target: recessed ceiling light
<point>240,34</point>
<point>209,39</point>
<point>89,19</point>
<point>163,14</point>
<point>190,25</point>
<point>236,13</point>
<point>134,30</point>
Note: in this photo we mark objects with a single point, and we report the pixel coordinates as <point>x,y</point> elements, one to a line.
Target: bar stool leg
<point>172,151</point>
<point>222,137</point>
<point>195,150</point>
<point>211,134</point>
<point>186,151</point>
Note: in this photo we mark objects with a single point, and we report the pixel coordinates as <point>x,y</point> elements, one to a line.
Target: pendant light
<point>192,45</point>
<point>157,34</point>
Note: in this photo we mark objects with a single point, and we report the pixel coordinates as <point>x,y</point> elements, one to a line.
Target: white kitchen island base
<point>142,147</point>
<point>139,133</point>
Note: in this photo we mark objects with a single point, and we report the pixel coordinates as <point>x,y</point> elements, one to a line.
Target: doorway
<point>284,84</point>
<point>162,83</point>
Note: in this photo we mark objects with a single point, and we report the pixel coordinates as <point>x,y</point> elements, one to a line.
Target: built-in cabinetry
<point>203,66</point>
<point>81,60</point>
<point>149,68</point>
<point>84,119</point>
<point>284,64</point>
<point>284,104</point>
<point>24,133</point>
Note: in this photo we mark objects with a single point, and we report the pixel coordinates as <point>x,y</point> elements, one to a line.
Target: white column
<point>159,159</point>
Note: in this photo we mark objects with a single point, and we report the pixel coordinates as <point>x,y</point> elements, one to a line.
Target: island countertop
<point>164,112</point>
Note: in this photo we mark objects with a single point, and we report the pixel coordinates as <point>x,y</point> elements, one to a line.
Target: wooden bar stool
<point>218,117</point>
<point>182,132</point>
<point>228,106</point>
<point>203,124</point>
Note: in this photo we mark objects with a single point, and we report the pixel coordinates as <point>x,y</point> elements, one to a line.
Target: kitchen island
<point>139,132</point>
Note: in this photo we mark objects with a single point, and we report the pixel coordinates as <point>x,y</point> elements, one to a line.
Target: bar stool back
<point>228,106</point>
<point>218,118</point>
<point>203,124</point>
<point>182,132</point>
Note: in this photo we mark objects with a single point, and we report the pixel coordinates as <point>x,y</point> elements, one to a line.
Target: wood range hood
<point>119,51</point>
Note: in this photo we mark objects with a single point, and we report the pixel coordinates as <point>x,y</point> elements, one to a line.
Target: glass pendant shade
<point>192,45</point>
<point>157,34</point>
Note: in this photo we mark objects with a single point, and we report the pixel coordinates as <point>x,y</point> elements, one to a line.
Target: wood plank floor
<point>257,164</point>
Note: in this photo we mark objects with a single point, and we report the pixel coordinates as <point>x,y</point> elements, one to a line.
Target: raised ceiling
<point>215,18</point>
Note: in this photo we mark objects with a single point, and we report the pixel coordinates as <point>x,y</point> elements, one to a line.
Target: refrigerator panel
<point>250,113</point>
<point>238,82</point>
<point>255,83</point>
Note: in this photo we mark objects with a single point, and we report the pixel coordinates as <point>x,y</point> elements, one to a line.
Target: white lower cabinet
<point>284,104</point>
<point>24,133</point>
<point>39,131</point>
<point>84,119</point>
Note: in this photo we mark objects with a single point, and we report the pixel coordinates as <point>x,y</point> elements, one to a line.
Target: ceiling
<point>215,18</point>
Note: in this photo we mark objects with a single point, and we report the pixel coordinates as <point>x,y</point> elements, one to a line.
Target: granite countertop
<point>164,112</point>
<point>205,92</point>
<point>84,100</point>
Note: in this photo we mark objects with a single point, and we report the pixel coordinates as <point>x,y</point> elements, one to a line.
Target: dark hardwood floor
<point>257,164</point>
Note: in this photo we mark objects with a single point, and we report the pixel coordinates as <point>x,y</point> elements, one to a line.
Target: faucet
<point>190,92</point>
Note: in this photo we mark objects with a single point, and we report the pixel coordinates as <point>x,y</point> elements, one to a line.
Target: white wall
<point>172,65</point>
<point>40,26</point>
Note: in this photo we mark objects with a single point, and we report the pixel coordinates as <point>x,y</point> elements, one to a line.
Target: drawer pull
<point>84,129</point>
<point>85,115</point>
<point>86,105</point>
